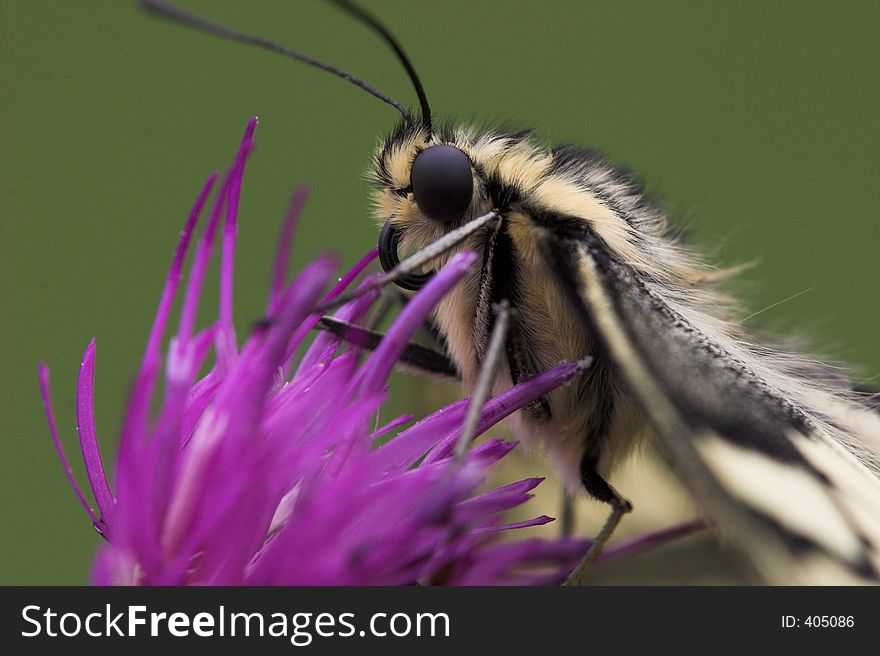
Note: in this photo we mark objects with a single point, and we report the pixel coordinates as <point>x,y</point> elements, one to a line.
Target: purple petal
<point>53,430</point>
<point>239,400</point>
<point>88,438</point>
<point>499,564</point>
<point>350,276</point>
<point>649,540</point>
<point>136,416</point>
<point>226,342</point>
<point>173,278</point>
<point>351,312</point>
<point>415,441</point>
<point>383,359</point>
<point>186,358</point>
<point>390,426</point>
<point>285,241</point>
<point>540,520</point>
<point>509,401</point>
<point>189,308</point>
<point>497,500</point>
<point>334,293</point>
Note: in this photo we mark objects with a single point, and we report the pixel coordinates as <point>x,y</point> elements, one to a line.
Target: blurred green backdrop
<point>756,122</point>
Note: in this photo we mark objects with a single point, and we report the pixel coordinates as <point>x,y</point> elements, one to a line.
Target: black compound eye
<point>442,182</point>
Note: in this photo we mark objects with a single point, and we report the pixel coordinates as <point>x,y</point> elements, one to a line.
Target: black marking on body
<point>580,165</point>
<point>434,332</point>
<point>403,131</point>
<point>499,281</point>
<point>520,366</point>
<point>501,194</point>
<point>600,384</point>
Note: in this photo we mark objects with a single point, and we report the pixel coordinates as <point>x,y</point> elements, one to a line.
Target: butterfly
<point>781,452</point>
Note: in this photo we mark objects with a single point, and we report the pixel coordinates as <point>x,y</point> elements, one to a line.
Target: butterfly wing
<point>799,506</point>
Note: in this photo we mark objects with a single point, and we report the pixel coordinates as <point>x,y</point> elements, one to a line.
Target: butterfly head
<point>427,183</point>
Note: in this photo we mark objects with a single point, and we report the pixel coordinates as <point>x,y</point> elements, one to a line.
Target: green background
<point>755,122</point>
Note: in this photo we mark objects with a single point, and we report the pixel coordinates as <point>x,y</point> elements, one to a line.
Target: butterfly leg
<point>415,356</point>
<point>599,489</point>
<point>566,514</point>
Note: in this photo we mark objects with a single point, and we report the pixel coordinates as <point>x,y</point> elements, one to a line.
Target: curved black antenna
<point>167,10</point>
<point>361,14</point>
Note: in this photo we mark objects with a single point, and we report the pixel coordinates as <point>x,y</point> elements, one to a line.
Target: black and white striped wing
<point>799,506</point>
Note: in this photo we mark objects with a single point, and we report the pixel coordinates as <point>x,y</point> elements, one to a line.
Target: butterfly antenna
<point>362,15</point>
<point>172,12</point>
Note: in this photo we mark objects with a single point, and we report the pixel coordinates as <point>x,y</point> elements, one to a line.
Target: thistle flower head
<point>266,470</point>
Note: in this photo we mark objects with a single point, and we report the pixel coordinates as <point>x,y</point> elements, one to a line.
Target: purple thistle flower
<point>260,473</point>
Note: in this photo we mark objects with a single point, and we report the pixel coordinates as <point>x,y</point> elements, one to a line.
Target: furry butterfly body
<point>777,449</point>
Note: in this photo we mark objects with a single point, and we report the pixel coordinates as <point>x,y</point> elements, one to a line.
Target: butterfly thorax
<point>531,185</point>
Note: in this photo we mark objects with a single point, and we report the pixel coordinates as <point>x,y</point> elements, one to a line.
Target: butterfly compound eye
<point>442,182</point>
